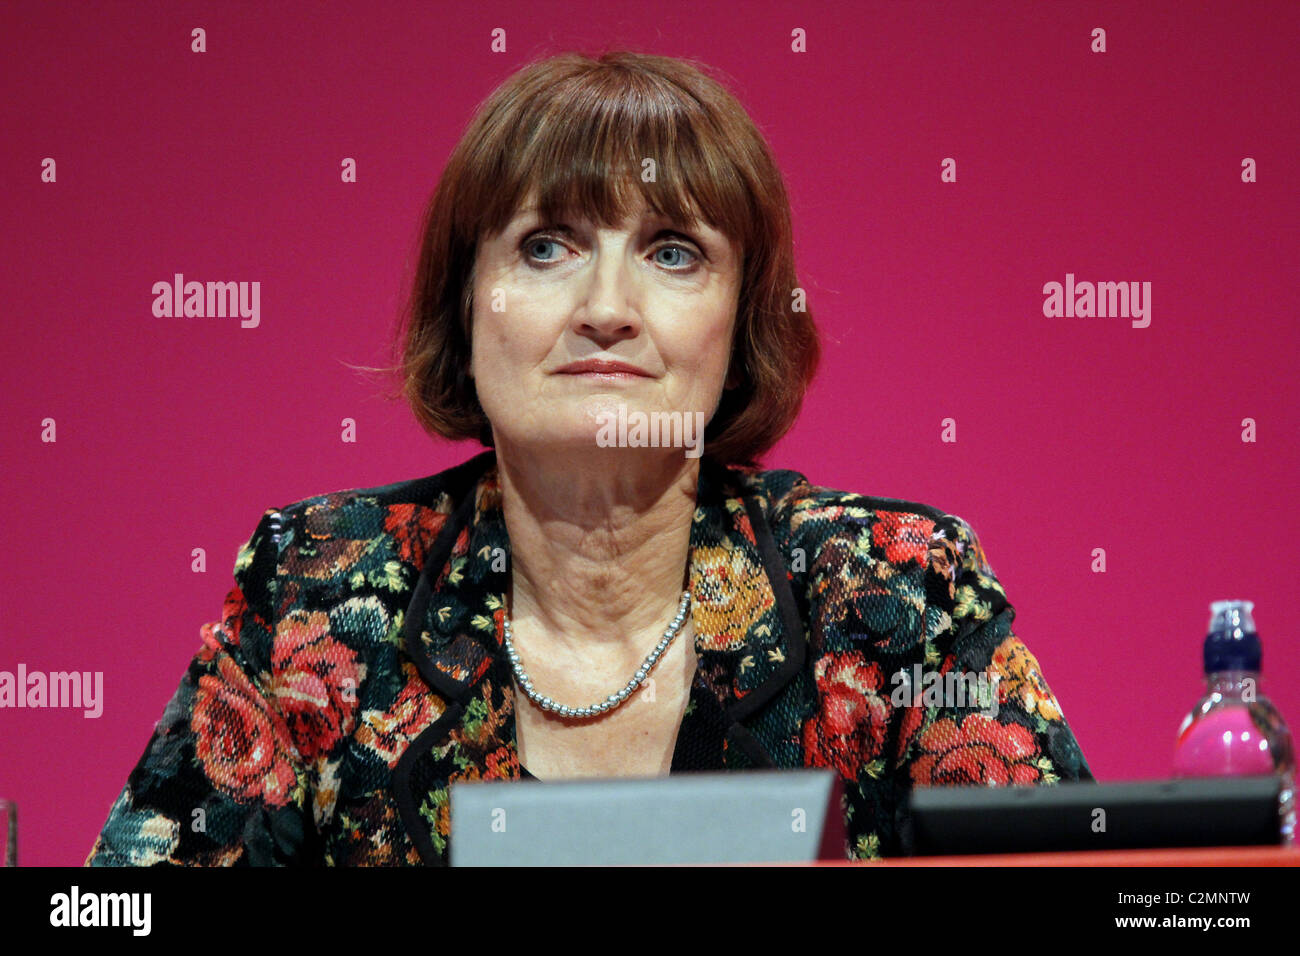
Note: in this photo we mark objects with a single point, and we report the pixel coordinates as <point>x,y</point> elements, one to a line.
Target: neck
<point>598,552</point>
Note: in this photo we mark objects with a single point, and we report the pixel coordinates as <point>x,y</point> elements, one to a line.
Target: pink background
<point>1072,433</point>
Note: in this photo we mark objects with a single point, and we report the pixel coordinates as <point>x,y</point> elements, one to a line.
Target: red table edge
<point>1176,856</point>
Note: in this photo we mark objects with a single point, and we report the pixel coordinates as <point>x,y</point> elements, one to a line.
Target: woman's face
<point>657,296</point>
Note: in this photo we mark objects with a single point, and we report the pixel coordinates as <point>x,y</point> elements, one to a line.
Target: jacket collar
<point>748,631</point>
<point>737,583</point>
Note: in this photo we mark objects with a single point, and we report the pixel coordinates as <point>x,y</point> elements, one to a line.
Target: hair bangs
<point>600,147</point>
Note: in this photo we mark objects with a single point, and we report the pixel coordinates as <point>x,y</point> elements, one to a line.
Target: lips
<point>600,367</point>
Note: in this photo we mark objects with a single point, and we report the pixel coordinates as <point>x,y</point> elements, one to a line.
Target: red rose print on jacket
<point>849,730</point>
<point>245,749</point>
<point>978,751</point>
<point>314,679</point>
<point>904,537</point>
<point>217,635</point>
<point>413,528</point>
<point>389,732</point>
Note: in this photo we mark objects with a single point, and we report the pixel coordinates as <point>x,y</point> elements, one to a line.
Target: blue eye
<point>531,244</point>
<point>679,250</point>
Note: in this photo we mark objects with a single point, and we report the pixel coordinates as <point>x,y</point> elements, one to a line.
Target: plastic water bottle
<point>1234,730</point>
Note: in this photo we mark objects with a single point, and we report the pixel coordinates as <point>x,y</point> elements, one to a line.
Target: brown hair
<point>575,130</point>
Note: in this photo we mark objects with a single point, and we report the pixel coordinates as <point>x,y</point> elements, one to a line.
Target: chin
<point>576,434</point>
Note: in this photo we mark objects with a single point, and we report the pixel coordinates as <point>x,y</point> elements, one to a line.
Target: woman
<point>608,250</point>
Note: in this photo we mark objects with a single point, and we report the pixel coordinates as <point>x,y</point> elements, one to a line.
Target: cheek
<point>508,340</point>
<point>707,349</point>
<point>493,316</point>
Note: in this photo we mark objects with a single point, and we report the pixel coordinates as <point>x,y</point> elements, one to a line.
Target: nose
<point>607,312</point>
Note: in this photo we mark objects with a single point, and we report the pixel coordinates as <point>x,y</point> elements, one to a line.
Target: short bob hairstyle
<point>576,131</point>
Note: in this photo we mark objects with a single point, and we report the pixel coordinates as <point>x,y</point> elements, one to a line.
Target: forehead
<point>639,211</point>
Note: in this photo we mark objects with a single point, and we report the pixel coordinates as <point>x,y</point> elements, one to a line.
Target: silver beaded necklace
<point>613,700</point>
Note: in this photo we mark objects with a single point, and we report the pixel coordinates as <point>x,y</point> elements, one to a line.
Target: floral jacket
<point>357,671</point>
